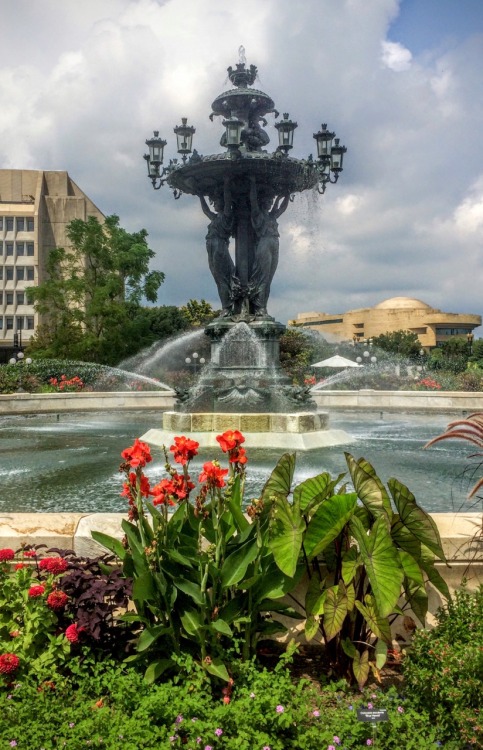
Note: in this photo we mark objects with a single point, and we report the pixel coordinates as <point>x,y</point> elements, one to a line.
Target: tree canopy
<point>91,298</point>
<point>404,343</point>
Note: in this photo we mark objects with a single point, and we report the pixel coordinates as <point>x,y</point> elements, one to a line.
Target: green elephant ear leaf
<point>335,610</point>
<point>360,667</point>
<point>381,561</point>
<point>427,564</point>
<point>313,491</point>
<point>285,535</point>
<point>311,627</point>
<point>417,598</point>
<point>414,518</point>
<point>327,523</point>
<point>280,480</point>
<point>369,487</point>
<point>378,625</point>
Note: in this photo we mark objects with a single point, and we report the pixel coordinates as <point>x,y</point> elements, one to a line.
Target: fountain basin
<point>297,431</point>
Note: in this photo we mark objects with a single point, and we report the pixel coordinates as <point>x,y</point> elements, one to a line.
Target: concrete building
<point>35,208</point>
<point>432,326</point>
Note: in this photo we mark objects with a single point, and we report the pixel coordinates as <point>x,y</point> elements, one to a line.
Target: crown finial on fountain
<point>242,77</point>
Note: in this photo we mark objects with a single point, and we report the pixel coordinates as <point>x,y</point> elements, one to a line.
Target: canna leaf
<point>192,589</point>
<point>149,636</point>
<point>216,668</point>
<point>220,626</point>
<point>156,669</point>
<point>191,621</point>
<point>235,505</point>
<point>236,564</point>
<point>113,545</point>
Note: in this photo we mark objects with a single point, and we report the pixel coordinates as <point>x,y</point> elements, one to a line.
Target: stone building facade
<point>35,208</point>
<point>432,326</point>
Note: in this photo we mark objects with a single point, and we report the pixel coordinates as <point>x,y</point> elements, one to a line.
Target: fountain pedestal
<point>295,431</point>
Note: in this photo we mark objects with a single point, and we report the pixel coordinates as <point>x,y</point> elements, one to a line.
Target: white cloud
<point>407,207</point>
<point>395,56</point>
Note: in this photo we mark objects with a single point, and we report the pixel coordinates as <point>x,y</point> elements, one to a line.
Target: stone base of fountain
<point>298,431</point>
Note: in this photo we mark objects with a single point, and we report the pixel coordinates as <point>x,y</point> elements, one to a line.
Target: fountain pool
<point>69,463</point>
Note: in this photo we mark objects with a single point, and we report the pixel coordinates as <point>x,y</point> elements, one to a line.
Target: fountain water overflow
<point>243,191</point>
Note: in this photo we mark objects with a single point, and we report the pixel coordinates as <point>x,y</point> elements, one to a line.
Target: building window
<point>1,274</point>
<point>1,323</point>
<point>20,224</point>
<point>20,298</point>
<point>30,273</point>
<point>452,331</point>
<point>20,248</point>
<point>9,248</point>
<point>20,273</point>
<point>9,298</point>
<point>9,223</point>
<point>1,298</point>
<point>9,324</point>
<point>1,222</point>
<point>9,275</point>
<point>30,225</point>
<point>19,323</point>
<point>30,248</point>
<point>1,247</point>
<point>30,323</point>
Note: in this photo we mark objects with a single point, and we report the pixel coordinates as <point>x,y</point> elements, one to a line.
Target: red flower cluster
<point>57,600</point>
<point>36,591</point>
<point>130,487</point>
<point>138,454</point>
<point>230,443</point>
<point>430,384</point>
<point>184,449</point>
<point>169,491</point>
<point>9,663</point>
<point>6,554</point>
<point>54,565</point>
<point>72,633</point>
<point>213,474</point>
<point>30,553</point>
<point>65,384</point>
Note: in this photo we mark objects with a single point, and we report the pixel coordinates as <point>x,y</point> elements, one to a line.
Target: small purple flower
<point>351,707</point>
<point>178,719</point>
<point>266,747</point>
<point>400,709</point>
<point>330,747</point>
<point>373,695</point>
<point>218,732</point>
<point>336,740</point>
<point>280,709</point>
<point>9,697</point>
<point>369,706</point>
<point>13,743</point>
<point>208,747</point>
<point>198,740</point>
<point>368,742</point>
<point>316,713</point>
<point>71,724</point>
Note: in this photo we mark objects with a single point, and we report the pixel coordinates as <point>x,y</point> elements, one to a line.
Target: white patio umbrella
<point>337,361</point>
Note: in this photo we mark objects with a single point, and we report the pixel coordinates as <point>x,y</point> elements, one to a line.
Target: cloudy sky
<point>83,84</point>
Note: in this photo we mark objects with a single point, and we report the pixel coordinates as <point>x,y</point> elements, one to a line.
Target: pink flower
<point>400,709</point>
<point>280,709</point>
<point>330,747</point>
<point>336,739</point>
<point>368,742</point>
<point>218,732</point>
<point>369,706</point>
<point>316,713</point>
<point>72,633</point>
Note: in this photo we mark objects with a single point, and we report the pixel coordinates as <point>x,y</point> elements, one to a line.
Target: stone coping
<point>461,533</point>
<point>365,399</point>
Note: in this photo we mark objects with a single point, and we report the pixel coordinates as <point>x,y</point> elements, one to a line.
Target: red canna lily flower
<point>230,439</point>
<point>139,454</point>
<point>184,449</point>
<point>213,474</point>
<point>237,456</point>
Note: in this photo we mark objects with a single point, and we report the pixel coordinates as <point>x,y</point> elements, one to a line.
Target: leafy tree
<point>198,312</point>
<point>404,343</point>
<point>92,296</point>
<point>452,355</point>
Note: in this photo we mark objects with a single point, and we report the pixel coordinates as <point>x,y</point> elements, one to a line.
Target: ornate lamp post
<point>194,360</point>
<point>243,190</point>
<point>470,337</point>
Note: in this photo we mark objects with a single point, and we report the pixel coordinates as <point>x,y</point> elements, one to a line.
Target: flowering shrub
<point>427,384</point>
<point>63,384</point>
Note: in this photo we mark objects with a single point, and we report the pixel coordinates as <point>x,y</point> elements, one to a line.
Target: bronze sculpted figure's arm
<point>217,241</point>
<point>280,205</point>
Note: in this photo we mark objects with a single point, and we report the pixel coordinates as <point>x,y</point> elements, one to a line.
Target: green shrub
<point>444,668</point>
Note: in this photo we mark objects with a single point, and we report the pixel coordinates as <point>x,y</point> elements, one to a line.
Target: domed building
<point>432,326</point>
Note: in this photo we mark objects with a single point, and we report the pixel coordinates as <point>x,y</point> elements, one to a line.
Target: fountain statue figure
<point>243,191</point>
